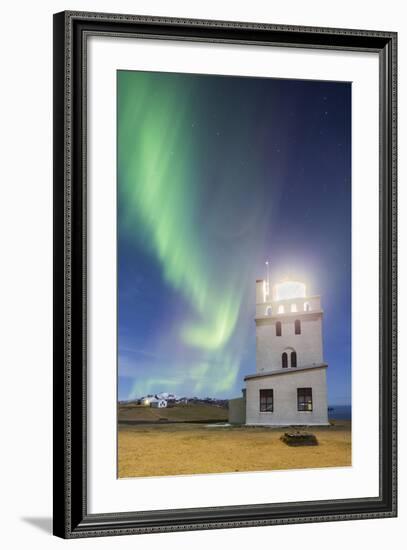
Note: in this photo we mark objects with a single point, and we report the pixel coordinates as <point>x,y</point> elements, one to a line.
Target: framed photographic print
<point>224,274</point>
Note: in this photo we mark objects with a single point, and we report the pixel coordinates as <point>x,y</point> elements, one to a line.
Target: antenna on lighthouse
<point>267,279</point>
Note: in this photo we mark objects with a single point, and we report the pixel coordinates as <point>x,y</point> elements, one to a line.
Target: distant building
<point>153,401</point>
<point>146,401</point>
<point>159,404</point>
<point>289,386</point>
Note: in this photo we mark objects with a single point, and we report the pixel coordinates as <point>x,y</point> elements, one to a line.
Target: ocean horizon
<point>340,412</point>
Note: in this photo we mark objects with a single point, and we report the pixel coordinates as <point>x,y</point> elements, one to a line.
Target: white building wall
<point>237,410</point>
<point>264,304</point>
<point>285,386</point>
<point>308,344</point>
<point>261,288</point>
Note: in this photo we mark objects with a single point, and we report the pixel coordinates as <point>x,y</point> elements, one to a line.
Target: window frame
<point>297,326</point>
<point>306,401</point>
<point>266,400</point>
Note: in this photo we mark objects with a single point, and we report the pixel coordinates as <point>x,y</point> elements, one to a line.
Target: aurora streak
<point>193,208</point>
<point>161,197</point>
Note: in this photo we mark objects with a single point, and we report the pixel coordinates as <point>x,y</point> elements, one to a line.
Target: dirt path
<point>156,450</point>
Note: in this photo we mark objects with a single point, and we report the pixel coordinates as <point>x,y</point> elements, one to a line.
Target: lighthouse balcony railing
<point>289,306</point>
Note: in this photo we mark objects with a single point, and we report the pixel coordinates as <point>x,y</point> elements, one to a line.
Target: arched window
<point>278,328</point>
<point>297,325</point>
<point>268,311</point>
<point>281,309</point>
<point>293,359</point>
<point>307,306</point>
<point>293,308</point>
<point>285,360</point>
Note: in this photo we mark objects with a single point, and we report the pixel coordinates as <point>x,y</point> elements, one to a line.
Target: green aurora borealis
<point>161,201</point>
<point>199,182</point>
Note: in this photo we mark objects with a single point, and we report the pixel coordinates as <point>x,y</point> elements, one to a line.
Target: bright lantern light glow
<point>289,290</point>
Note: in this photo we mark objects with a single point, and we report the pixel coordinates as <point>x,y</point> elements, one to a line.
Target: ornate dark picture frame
<point>71,517</point>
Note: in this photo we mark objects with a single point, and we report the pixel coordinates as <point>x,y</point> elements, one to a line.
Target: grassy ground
<point>181,413</point>
<point>182,448</point>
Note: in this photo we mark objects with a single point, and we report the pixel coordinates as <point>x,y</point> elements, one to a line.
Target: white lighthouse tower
<point>289,387</point>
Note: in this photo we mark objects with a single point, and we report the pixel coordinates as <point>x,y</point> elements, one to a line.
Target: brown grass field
<point>180,413</point>
<point>172,447</point>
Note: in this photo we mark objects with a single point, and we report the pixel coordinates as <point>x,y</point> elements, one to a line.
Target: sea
<point>340,412</point>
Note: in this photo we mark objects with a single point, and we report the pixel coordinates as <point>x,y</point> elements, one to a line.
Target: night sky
<point>216,175</point>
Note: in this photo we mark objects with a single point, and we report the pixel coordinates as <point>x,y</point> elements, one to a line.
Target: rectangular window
<point>304,399</point>
<point>297,326</point>
<point>266,400</point>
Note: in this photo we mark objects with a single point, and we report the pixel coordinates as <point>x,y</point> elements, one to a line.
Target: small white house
<point>153,401</point>
<point>289,386</point>
<point>159,404</point>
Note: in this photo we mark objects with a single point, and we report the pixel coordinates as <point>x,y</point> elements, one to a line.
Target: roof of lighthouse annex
<point>286,371</point>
